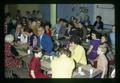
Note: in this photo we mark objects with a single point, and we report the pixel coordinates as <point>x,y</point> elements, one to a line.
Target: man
<point>44,41</point>
<point>78,52</point>
<point>63,66</point>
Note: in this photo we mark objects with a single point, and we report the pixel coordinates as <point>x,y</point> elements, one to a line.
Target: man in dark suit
<point>44,41</point>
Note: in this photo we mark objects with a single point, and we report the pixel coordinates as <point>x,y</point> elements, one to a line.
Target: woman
<point>10,53</point>
<point>98,23</point>
<point>68,31</point>
<point>104,41</point>
<point>34,67</point>
<point>47,29</point>
<point>92,52</point>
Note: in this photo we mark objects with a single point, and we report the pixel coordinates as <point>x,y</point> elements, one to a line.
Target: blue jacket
<point>46,43</point>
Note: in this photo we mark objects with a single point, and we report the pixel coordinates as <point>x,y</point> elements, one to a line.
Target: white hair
<point>9,38</point>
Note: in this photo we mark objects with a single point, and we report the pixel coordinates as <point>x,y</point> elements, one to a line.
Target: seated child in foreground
<point>34,67</point>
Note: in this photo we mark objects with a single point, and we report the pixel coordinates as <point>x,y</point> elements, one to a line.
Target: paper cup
<point>28,51</point>
<point>91,71</point>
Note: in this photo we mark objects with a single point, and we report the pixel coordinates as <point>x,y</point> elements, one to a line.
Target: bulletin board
<point>107,11</point>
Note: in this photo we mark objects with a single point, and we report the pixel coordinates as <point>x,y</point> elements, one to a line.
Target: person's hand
<point>49,72</point>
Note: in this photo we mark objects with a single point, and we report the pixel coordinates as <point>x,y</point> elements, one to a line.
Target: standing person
<point>44,41</point>
<point>112,36</point>
<point>34,66</point>
<point>98,23</point>
<point>102,62</point>
<point>65,62</point>
<point>92,52</point>
<point>77,51</point>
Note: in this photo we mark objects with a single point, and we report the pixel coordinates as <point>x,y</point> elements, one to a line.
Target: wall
<point>108,15</point>
<point>65,10</point>
<point>28,7</point>
<point>45,11</point>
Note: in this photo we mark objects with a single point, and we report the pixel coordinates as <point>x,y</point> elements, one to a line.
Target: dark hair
<point>76,39</point>
<point>42,26</point>
<point>48,24</point>
<point>99,17</point>
<point>71,24</point>
<point>67,52</point>
<point>98,35</point>
<point>36,50</point>
<point>29,30</point>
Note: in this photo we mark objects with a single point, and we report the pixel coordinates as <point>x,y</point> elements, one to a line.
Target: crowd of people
<point>31,30</point>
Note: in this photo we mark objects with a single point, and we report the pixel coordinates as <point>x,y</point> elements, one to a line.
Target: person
<point>44,41</point>
<point>83,30</point>
<point>65,62</point>
<point>98,23</point>
<point>69,29</point>
<point>77,51</point>
<point>32,38</point>
<point>34,27</point>
<point>34,66</point>
<point>63,26</point>
<point>28,15</point>
<point>102,63</point>
<point>17,33</point>
<point>89,32</point>
<point>11,60</point>
<point>112,36</point>
<point>104,41</point>
<point>92,51</point>
<point>48,29</point>
<point>39,15</point>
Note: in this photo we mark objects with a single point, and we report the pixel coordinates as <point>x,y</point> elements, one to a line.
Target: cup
<point>91,71</point>
<point>51,58</point>
<point>79,69</point>
<point>28,51</point>
<point>56,36</point>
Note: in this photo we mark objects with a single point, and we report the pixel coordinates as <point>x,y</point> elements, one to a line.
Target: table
<point>85,69</point>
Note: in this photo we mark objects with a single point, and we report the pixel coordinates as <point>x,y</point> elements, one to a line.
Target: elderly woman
<point>10,52</point>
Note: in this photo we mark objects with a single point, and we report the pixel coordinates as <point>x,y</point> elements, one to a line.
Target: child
<point>102,62</point>
<point>34,67</point>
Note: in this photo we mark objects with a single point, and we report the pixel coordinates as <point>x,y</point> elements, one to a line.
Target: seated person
<point>44,41</point>
<point>32,38</point>
<point>98,23</point>
<point>92,51</point>
<point>104,41</point>
<point>68,31</point>
<point>89,32</point>
<point>48,29</point>
<point>34,66</point>
<point>10,53</point>
<point>102,62</point>
<point>63,66</point>
<point>77,51</point>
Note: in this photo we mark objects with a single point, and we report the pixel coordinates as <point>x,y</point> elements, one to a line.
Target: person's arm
<point>104,72</point>
<point>14,51</point>
<point>90,49</point>
<point>32,73</point>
